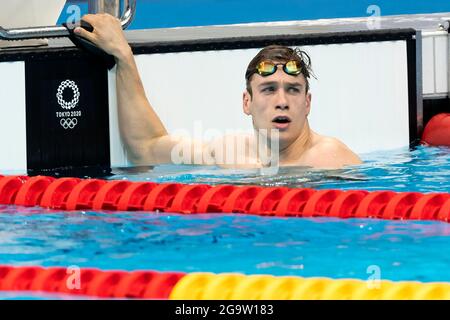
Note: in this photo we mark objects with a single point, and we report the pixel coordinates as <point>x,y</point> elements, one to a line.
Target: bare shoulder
<point>329,152</point>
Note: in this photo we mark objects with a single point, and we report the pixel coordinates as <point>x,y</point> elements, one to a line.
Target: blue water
<point>27,295</point>
<point>402,250</point>
<point>424,169</point>
<point>180,13</point>
<point>227,243</point>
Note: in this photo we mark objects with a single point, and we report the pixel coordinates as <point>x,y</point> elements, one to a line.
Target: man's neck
<point>286,153</point>
<point>294,150</point>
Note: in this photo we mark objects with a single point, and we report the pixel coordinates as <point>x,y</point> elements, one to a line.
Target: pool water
<point>424,169</point>
<point>182,13</point>
<point>325,247</point>
<point>226,243</point>
<point>23,295</point>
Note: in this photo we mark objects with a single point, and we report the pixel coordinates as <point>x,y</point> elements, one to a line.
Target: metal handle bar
<point>60,31</point>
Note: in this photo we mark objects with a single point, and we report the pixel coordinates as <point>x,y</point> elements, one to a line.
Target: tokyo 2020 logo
<point>68,118</point>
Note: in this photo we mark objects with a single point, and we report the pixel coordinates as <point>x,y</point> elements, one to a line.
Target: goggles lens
<point>292,67</point>
<point>266,68</point>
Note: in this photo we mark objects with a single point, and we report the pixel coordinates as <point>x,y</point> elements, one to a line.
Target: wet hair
<point>282,54</point>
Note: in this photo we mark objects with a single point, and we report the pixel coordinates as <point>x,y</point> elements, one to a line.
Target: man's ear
<point>246,99</point>
<point>308,103</point>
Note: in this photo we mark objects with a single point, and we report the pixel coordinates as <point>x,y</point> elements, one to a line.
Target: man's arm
<point>141,129</point>
<point>143,133</point>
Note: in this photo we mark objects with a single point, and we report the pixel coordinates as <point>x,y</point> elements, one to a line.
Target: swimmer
<point>276,97</point>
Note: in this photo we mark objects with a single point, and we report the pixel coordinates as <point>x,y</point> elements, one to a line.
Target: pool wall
<point>382,68</point>
<point>211,77</point>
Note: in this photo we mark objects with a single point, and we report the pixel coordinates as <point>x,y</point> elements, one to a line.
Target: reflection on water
<point>424,169</point>
<point>337,248</point>
<point>226,243</point>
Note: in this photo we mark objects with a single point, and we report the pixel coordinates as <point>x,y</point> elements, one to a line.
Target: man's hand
<point>107,35</point>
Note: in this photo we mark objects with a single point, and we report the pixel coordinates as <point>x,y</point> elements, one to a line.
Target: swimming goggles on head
<point>267,68</point>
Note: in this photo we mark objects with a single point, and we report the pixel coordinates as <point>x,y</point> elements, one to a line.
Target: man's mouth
<point>281,122</point>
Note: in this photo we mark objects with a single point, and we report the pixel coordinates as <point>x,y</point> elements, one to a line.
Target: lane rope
<point>200,286</point>
<point>122,195</point>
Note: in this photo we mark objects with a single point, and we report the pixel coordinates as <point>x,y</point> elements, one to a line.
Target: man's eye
<point>268,89</point>
<point>294,89</point>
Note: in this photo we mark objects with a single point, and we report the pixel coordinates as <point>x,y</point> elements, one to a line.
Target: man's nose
<point>281,102</point>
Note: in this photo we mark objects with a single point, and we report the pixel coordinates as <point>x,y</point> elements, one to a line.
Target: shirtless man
<point>277,97</point>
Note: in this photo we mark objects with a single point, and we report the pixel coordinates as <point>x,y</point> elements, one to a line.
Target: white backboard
<point>28,13</point>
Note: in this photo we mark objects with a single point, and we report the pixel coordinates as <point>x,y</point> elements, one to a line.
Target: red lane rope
<point>94,194</point>
<point>90,282</point>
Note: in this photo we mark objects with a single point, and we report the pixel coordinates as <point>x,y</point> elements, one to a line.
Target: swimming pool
<point>424,169</point>
<point>260,246</point>
<point>235,243</point>
<point>180,13</point>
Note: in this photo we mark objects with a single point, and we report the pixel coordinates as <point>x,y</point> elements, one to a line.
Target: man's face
<point>279,102</point>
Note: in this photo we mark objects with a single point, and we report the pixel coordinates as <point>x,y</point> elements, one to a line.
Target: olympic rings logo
<point>68,123</point>
<point>76,94</point>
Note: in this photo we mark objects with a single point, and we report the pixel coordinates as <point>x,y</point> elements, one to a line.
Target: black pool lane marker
<point>67,116</point>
